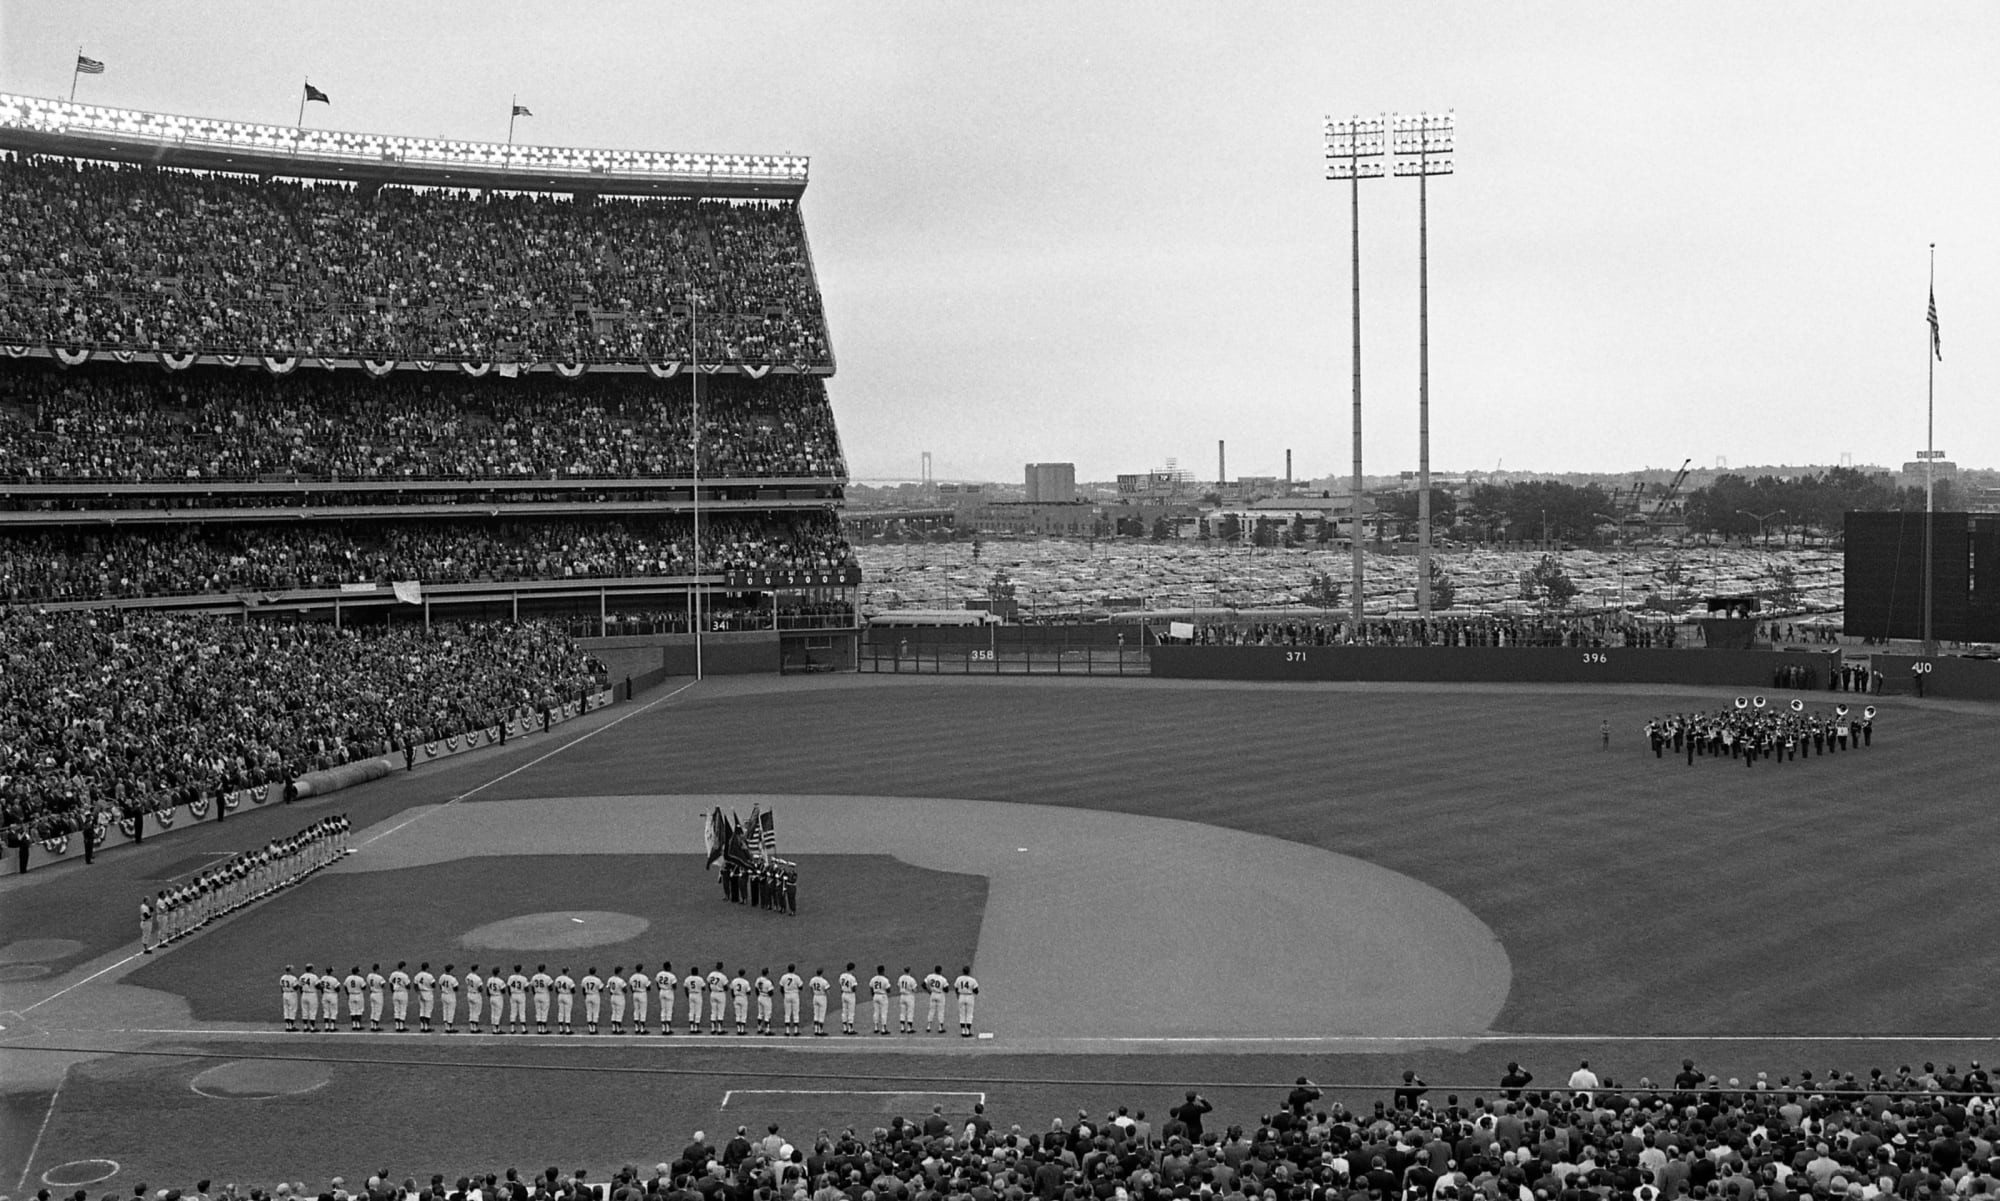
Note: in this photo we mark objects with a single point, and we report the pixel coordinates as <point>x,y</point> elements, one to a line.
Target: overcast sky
<point>1101,233</point>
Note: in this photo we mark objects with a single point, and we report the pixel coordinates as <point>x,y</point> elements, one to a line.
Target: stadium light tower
<point>1423,145</point>
<point>1354,149</point>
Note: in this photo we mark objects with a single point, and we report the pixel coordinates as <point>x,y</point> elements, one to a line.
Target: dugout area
<point>1185,841</point>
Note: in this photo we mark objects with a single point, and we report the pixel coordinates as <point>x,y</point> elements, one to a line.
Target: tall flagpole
<point>300,124</point>
<point>1930,454</point>
<point>76,68</point>
<point>513,111</point>
<point>694,406</point>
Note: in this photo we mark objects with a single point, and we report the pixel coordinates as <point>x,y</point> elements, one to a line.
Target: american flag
<point>521,110</point>
<point>88,66</point>
<point>1935,349</point>
<point>753,832</point>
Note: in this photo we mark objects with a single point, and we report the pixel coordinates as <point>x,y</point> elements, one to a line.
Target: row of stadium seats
<point>40,565</point>
<point>1906,1136</point>
<point>140,710</point>
<point>132,425</point>
<point>94,255</point>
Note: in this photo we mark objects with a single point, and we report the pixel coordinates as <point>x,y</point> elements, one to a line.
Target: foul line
<point>581,738</point>
<point>35,1149</point>
<point>80,983</point>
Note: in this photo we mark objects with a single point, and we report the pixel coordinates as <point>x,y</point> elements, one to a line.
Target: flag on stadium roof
<point>1934,328</point>
<point>88,66</point>
<point>313,93</point>
<point>521,110</point>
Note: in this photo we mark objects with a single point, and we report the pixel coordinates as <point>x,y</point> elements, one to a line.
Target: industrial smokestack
<point>1221,463</point>
<point>1288,468</point>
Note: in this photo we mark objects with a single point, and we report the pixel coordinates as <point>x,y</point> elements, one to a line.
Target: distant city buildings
<point>1051,483</point>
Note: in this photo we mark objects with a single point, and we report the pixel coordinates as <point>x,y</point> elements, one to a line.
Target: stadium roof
<point>35,125</point>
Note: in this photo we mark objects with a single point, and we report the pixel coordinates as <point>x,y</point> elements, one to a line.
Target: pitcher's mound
<point>555,931</point>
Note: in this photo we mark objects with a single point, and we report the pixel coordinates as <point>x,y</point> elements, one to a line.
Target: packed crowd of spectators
<point>135,711</point>
<point>128,561</point>
<point>131,426</point>
<point>1571,630</point>
<point>142,258</point>
<point>1908,1135</point>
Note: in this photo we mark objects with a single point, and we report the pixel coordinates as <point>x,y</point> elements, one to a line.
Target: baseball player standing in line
<point>935,984</point>
<point>693,987</point>
<point>448,998</point>
<point>399,996</point>
<point>790,984</point>
<point>878,987</point>
<point>544,986</point>
<point>329,999</point>
<point>288,993</point>
<point>667,982</point>
<point>376,985</point>
<point>309,997</point>
<point>848,986</point>
<point>906,1002</point>
<point>967,988</point>
<point>356,984</point>
<point>820,986</point>
<point>496,999</point>
<point>614,987</point>
<point>475,996</point>
<point>517,1002</point>
<point>426,997</point>
<point>565,1001</point>
<point>641,985</point>
<point>593,999</point>
<point>739,996</point>
<point>718,992</point>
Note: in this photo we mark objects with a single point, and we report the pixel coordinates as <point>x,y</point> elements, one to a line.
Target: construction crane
<point>1664,510</point>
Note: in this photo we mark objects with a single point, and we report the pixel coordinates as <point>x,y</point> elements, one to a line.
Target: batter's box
<point>755,1105</point>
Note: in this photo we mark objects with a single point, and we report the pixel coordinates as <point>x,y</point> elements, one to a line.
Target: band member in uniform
<point>426,996</point>
<point>399,997</point>
<point>906,1002</point>
<point>543,984</point>
<point>848,986</point>
<point>967,988</point>
<point>475,997</point>
<point>309,997</point>
<point>614,987</point>
<point>517,1001</point>
<point>288,996</point>
<point>718,994</point>
<point>565,1001</point>
<point>593,999</point>
<point>693,986</point>
<point>639,984</point>
<point>448,998</point>
<point>329,1000</point>
<point>878,986</point>
<point>935,984</point>
<point>820,986</point>
<point>666,981</point>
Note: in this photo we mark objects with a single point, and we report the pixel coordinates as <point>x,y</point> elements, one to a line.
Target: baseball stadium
<point>485,498</point>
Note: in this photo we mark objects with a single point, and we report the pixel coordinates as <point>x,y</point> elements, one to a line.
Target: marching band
<point>1754,729</point>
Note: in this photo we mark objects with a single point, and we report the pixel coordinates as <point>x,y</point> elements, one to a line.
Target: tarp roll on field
<point>347,775</point>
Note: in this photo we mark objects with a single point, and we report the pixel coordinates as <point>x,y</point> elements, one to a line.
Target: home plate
<point>986,1034</point>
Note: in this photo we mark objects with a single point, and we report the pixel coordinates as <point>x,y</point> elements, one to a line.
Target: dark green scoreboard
<point>1884,576</point>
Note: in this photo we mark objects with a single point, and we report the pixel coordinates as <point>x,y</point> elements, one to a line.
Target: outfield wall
<point>1949,676</point>
<point>1483,665</point>
<point>649,658</point>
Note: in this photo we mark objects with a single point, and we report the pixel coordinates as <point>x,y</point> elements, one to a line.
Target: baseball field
<point>1160,886</point>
